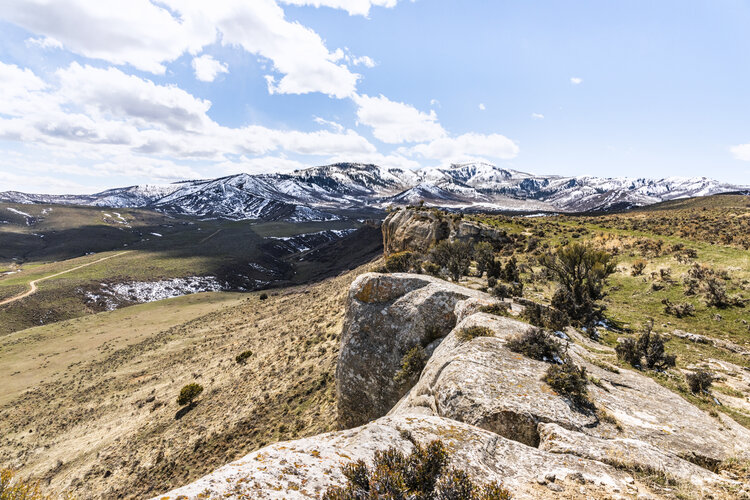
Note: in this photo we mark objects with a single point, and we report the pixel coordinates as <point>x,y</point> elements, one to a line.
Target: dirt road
<point>34,282</point>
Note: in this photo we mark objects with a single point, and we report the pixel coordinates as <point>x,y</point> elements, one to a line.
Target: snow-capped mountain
<point>311,194</point>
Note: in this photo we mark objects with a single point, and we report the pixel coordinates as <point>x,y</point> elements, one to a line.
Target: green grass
<point>632,300</point>
<point>187,247</point>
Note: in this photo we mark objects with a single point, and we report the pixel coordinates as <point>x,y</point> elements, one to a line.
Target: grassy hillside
<point>50,239</point>
<point>90,402</point>
<point>673,241</point>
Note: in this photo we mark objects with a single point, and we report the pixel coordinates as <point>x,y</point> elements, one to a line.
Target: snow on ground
<point>306,241</point>
<point>113,295</point>
<point>18,212</point>
<point>156,234</point>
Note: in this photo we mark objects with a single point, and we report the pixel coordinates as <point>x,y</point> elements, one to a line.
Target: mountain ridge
<point>317,193</point>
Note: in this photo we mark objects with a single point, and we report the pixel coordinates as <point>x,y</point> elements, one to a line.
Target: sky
<point>96,94</point>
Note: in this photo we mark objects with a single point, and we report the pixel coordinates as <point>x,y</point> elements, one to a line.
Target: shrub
<point>699,381</point>
<point>412,364</point>
<point>402,262</point>
<point>536,344</point>
<point>678,310</point>
<point>189,393</point>
<point>569,380</point>
<point>454,256</point>
<point>580,271</point>
<point>243,357</point>
<point>472,332</point>
<point>648,345</point>
<point>627,351</point>
<point>424,474</point>
<point>263,296</point>
<point>484,255</point>
<point>510,271</point>
<point>544,317</point>
<point>502,291</point>
<point>651,346</point>
<point>494,269</point>
<point>638,267</point>
<point>431,268</point>
<point>498,309</point>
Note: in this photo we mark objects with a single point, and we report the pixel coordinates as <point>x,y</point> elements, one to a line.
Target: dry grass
<point>96,412</point>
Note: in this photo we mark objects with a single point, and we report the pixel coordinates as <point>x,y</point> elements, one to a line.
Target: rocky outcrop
<point>419,230</point>
<point>387,315</point>
<point>490,406</point>
<point>483,383</point>
<point>306,467</point>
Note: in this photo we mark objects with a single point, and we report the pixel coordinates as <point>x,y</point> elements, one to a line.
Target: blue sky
<point>102,94</point>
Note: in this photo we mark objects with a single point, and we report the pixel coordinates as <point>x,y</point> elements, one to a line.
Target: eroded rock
<point>387,315</point>
<point>305,468</point>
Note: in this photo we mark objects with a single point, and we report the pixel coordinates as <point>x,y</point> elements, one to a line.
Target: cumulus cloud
<point>482,107</point>
<point>353,7</point>
<point>741,152</point>
<point>576,81</point>
<point>537,116</point>
<point>396,122</point>
<point>146,35</point>
<point>207,68</point>
<point>100,113</point>
<point>466,147</point>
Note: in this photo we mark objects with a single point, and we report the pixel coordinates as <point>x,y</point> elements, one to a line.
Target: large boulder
<point>305,468</point>
<point>413,230</point>
<point>387,315</point>
<point>483,383</point>
<point>419,230</point>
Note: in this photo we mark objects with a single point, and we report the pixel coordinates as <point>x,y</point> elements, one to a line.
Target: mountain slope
<point>311,193</point>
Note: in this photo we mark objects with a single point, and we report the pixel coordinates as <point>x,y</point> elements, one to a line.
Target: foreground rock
<point>306,467</point>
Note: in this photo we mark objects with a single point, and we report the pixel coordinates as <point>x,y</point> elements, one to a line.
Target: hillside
<point>89,404</point>
<point>152,256</point>
<point>490,405</point>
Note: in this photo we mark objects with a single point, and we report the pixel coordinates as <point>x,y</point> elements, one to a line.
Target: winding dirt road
<point>34,282</point>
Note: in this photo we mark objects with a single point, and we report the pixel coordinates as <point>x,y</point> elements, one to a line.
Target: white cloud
<point>44,43</point>
<point>482,107</point>
<point>353,7</point>
<point>576,81</point>
<point>363,61</point>
<point>434,102</point>
<point>260,165</point>
<point>327,123</point>
<point>741,152</point>
<point>537,116</point>
<point>396,122</point>
<point>146,35</point>
<point>207,68</point>
<point>110,93</point>
<point>466,147</point>
<point>98,113</point>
